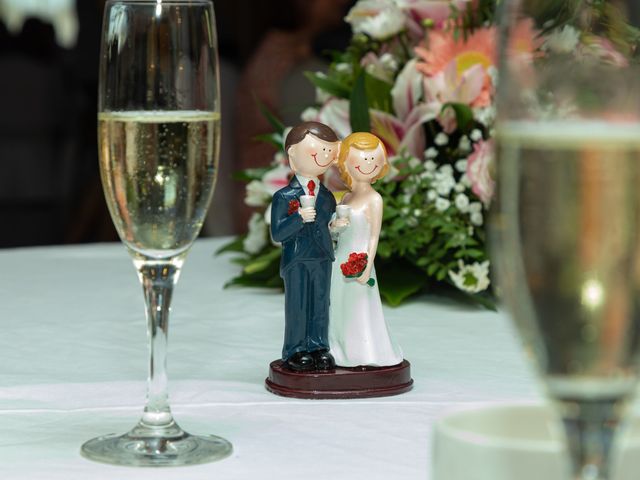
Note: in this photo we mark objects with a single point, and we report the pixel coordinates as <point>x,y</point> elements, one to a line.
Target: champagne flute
<point>565,228</point>
<point>159,142</point>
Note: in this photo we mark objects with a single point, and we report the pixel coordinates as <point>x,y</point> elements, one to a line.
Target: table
<point>73,366</point>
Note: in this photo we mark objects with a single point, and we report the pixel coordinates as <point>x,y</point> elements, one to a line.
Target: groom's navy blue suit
<point>307,255</point>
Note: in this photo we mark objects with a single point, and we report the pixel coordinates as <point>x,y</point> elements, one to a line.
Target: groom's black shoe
<point>300,362</point>
<point>324,360</point>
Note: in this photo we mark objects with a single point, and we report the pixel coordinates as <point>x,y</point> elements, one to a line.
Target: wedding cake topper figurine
<point>358,333</point>
<point>300,216</point>
<point>333,312</point>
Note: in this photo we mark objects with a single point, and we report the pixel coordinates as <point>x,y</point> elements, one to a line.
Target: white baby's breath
<point>441,139</point>
<point>431,153</point>
<point>462,202</point>
<point>472,278</point>
<point>461,165</point>
<point>477,219</point>
<point>464,144</point>
<point>476,135</point>
<point>442,204</point>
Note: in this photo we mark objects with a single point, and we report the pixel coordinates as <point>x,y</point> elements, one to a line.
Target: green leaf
<point>464,114</point>
<point>398,280</point>
<point>251,174</point>
<point>263,262</point>
<point>275,123</point>
<point>234,246</point>
<point>328,84</point>
<point>274,139</point>
<point>359,106</point>
<point>378,93</point>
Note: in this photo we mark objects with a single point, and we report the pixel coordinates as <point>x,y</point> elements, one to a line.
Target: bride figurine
<point>358,332</point>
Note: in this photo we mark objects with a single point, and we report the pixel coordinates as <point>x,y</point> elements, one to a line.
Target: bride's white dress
<point>358,332</point>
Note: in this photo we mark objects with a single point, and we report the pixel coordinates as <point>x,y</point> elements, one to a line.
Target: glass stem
<point>158,280</point>
<point>590,426</point>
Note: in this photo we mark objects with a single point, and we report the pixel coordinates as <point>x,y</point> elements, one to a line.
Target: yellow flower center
<point>466,60</point>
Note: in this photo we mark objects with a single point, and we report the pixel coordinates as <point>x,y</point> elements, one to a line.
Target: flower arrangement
<point>355,266</point>
<point>420,75</point>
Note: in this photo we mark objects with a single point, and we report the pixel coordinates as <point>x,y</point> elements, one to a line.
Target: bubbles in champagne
<point>158,170</point>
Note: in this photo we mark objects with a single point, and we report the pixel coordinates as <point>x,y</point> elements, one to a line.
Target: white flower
<point>459,187</point>
<point>444,185</point>
<point>322,97</point>
<point>461,165</point>
<point>430,153</point>
<point>343,67</point>
<point>441,139</point>
<point>462,202</point>
<point>406,199</point>
<point>464,144</point>
<point>256,239</point>
<point>412,222</point>
<point>256,194</point>
<point>417,212</point>
<point>432,195</point>
<point>404,211</point>
<point>426,175</point>
<point>442,204</point>
<point>476,135</point>
<point>414,162</point>
<point>485,115</point>
<point>446,170</point>
<point>380,19</point>
<point>475,207</point>
<point>309,114</point>
<point>562,40</point>
<point>477,219</point>
<point>430,165</point>
<point>472,278</point>
<point>389,61</point>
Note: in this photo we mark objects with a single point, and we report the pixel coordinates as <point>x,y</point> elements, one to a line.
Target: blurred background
<point>50,191</point>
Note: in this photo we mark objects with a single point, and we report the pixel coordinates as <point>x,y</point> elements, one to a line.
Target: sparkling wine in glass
<point>565,226</point>
<point>159,133</point>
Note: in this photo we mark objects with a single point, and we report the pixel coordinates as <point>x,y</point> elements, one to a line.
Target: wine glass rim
<point>162,2</point>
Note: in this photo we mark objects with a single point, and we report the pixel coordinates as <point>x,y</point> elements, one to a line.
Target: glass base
<point>148,446</point>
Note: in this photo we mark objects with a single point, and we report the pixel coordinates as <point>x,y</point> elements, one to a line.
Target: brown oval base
<point>341,383</point>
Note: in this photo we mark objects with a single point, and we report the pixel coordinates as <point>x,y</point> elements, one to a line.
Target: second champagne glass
<point>566,222</point>
<point>159,141</point>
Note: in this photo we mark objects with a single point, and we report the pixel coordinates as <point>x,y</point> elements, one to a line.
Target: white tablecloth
<point>73,361</point>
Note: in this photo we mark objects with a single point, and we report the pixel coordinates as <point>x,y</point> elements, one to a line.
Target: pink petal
<point>471,84</point>
<point>406,91</point>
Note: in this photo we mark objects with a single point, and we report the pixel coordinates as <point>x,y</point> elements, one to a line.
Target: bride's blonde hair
<point>363,141</point>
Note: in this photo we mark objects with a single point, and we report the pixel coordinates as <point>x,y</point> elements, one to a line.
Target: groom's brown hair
<point>320,130</point>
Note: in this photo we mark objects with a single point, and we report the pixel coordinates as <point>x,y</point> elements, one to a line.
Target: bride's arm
<point>374,215</point>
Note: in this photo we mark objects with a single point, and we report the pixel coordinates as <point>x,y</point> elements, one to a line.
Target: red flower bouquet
<point>355,266</point>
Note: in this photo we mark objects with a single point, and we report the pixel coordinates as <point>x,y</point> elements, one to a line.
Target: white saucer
<point>508,442</point>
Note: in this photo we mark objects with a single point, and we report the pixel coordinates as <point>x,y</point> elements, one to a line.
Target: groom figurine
<point>307,248</point>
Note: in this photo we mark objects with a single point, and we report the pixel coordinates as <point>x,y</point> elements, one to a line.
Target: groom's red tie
<point>312,188</point>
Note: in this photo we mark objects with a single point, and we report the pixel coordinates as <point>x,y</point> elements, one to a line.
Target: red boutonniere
<point>294,206</point>
<point>355,266</point>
